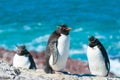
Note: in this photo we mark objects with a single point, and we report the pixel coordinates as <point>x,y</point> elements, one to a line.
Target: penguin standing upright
<point>57,49</point>
<point>23,59</point>
<point>97,58</point>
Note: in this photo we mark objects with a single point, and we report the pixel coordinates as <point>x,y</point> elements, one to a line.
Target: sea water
<point>31,22</point>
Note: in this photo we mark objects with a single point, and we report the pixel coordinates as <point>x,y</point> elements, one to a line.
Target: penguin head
<point>63,29</point>
<point>93,41</point>
<point>21,50</point>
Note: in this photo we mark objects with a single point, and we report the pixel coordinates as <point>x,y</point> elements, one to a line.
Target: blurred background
<point>31,22</point>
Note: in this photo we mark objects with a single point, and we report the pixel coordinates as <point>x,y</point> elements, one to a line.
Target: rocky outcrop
<point>73,66</point>
<point>8,72</point>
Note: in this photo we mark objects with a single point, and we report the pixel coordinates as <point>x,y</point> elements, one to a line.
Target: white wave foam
<point>72,52</point>
<point>79,51</point>
<point>38,42</point>
<point>115,66</point>
<point>111,37</point>
<point>26,27</point>
<point>100,37</point>
<point>39,24</point>
<point>31,47</point>
<point>117,45</point>
<point>3,46</point>
<point>1,31</point>
<point>41,39</point>
<point>38,48</point>
<point>116,37</point>
<point>78,30</point>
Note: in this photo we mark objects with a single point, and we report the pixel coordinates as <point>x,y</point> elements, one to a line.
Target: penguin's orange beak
<point>68,29</point>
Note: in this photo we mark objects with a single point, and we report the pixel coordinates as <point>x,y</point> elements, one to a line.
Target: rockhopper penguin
<point>97,58</point>
<point>57,49</point>
<point>23,58</point>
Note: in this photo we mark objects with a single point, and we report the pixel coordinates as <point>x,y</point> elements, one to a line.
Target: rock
<point>73,66</point>
<point>8,72</point>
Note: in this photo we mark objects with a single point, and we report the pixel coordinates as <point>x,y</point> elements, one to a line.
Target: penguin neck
<point>63,35</point>
<point>20,55</point>
<point>23,55</point>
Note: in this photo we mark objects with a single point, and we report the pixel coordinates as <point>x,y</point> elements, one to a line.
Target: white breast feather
<point>63,49</point>
<point>21,61</point>
<point>96,61</point>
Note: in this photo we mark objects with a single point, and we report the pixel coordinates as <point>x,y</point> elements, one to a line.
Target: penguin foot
<point>49,70</point>
<point>62,72</point>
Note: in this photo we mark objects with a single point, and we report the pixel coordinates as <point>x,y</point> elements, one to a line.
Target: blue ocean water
<point>31,22</point>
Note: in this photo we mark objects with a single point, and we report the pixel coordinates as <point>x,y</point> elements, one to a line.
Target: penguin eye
<point>64,28</point>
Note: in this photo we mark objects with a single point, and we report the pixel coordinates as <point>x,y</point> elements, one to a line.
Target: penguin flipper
<point>104,53</point>
<point>32,66</point>
<point>54,50</point>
